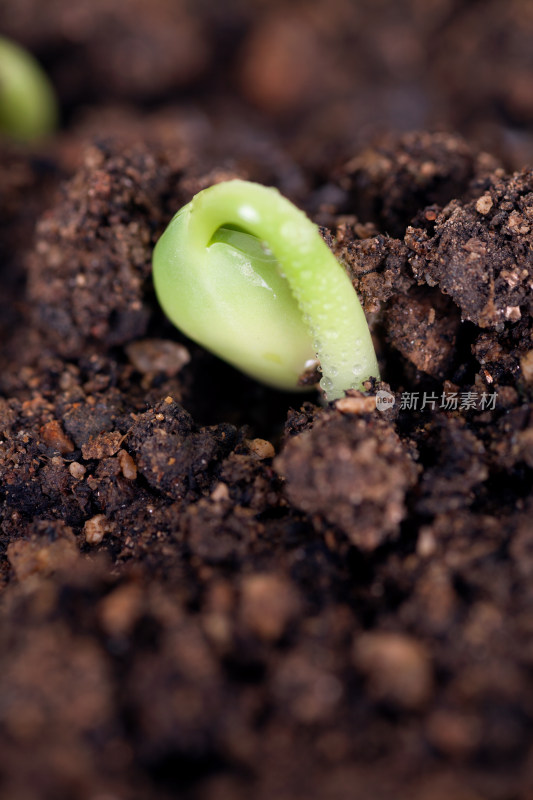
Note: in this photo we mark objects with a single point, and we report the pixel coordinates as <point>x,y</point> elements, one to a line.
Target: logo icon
<point>384,400</point>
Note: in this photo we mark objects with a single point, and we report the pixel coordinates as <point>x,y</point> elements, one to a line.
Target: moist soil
<point>210,589</point>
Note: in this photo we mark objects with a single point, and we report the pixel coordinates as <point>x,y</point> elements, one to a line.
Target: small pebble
<point>54,437</point>
<point>95,529</point>
<point>220,492</point>
<point>102,446</point>
<point>484,204</point>
<point>513,313</point>
<point>261,448</point>
<point>158,355</point>
<point>356,405</point>
<point>127,465</point>
<point>77,470</point>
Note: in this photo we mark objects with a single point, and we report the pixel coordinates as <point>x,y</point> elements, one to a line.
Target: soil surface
<point>210,589</point>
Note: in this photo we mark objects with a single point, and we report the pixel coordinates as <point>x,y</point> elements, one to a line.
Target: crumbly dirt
<point>480,253</point>
<point>210,589</point>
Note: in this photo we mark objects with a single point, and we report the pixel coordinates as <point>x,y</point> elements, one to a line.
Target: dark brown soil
<point>210,589</point>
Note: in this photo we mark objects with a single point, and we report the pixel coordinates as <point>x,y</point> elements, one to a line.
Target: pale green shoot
<point>243,272</point>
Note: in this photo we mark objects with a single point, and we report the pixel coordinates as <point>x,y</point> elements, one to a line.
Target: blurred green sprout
<point>244,273</point>
<point>28,106</point>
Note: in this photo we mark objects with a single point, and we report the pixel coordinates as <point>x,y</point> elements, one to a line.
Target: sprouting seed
<point>244,273</point>
<point>28,106</point>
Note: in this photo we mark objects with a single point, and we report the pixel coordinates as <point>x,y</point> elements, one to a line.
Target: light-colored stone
<point>484,204</point>
<point>261,448</point>
<point>95,529</point>
<point>77,470</point>
<point>127,465</point>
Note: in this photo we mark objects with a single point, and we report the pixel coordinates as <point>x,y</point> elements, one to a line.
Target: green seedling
<point>28,107</point>
<point>243,272</point>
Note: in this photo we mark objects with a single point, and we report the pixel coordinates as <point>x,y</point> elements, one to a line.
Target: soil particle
<point>77,470</point>
<point>268,605</point>
<point>47,546</point>
<point>127,465</point>
<point>120,610</point>
<point>106,444</point>
<point>391,181</point>
<point>355,405</point>
<point>95,529</point>
<point>173,455</point>
<point>351,475</point>
<point>377,265</point>
<point>261,448</point>
<point>397,668</point>
<point>111,490</point>
<point>473,255</point>
<point>311,692</point>
<point>150,356</point>
<point>27,181</point>
<point>423,327</point>
<point>484,204</point>
<point>93,294</point>
<point>236,531</point>
<point>87,418</point>
<point>54,437</point>
<point>253,483</point>
<point>459,466</point>
<point>499,362</point>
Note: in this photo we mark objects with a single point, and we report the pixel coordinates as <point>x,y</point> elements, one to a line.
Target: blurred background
<point>333,72</point>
